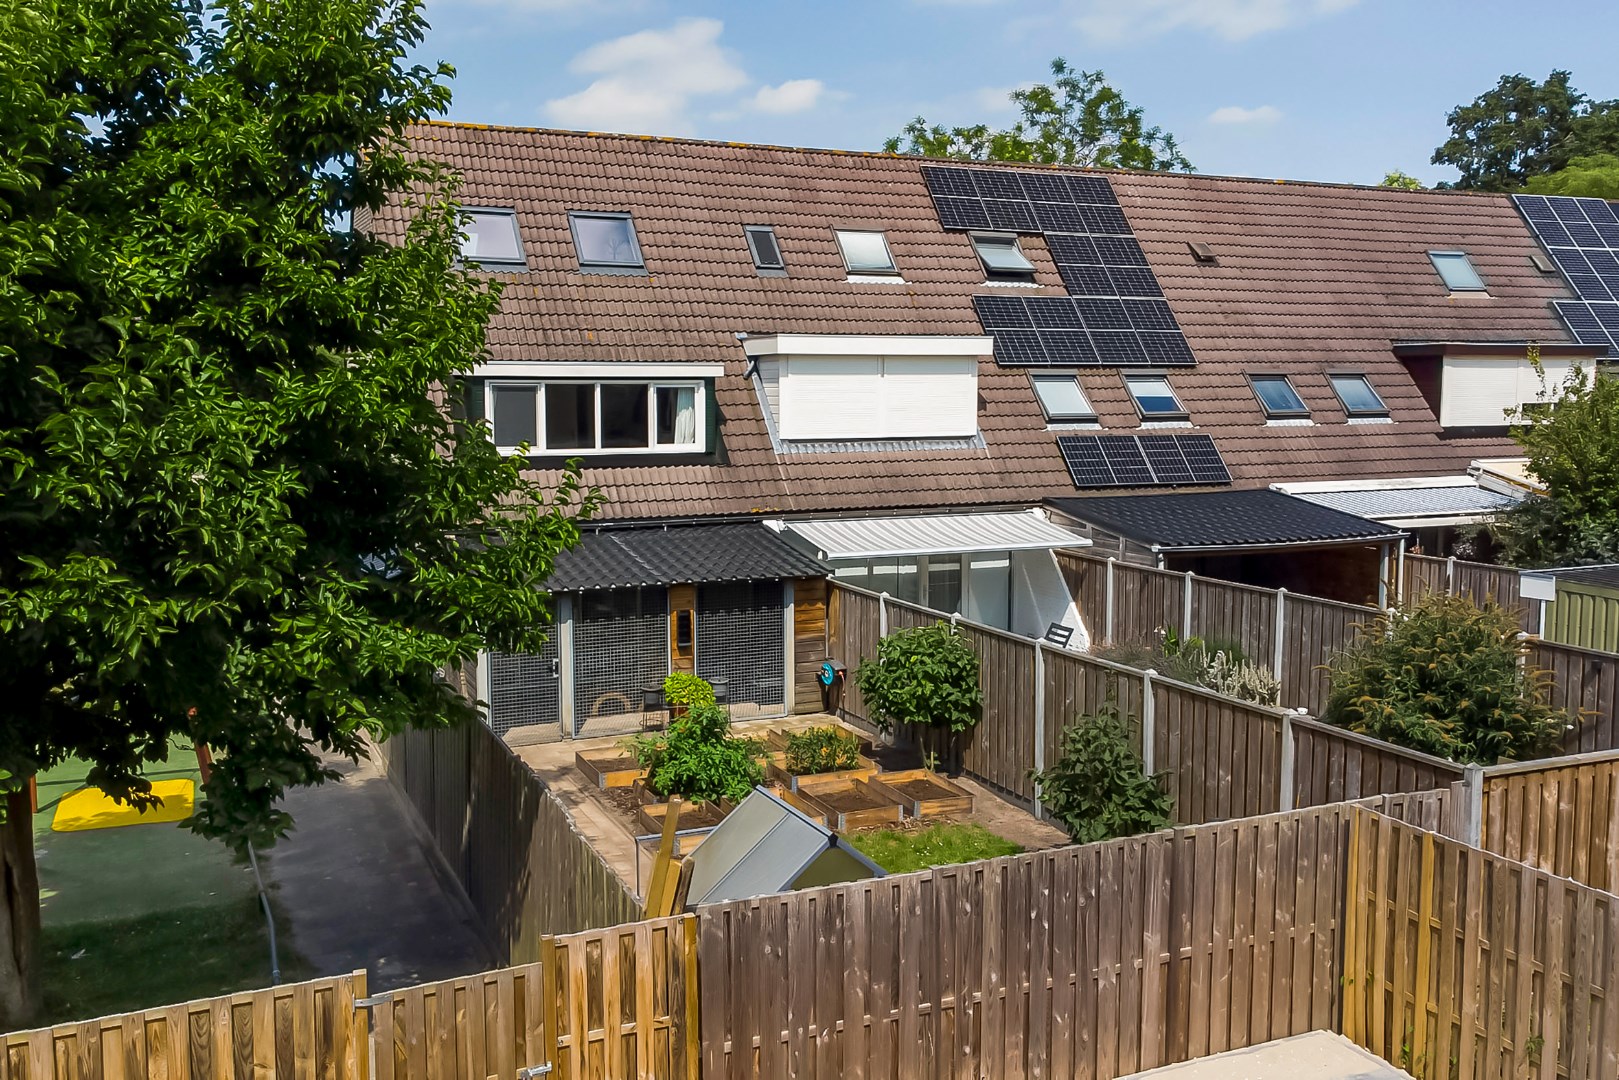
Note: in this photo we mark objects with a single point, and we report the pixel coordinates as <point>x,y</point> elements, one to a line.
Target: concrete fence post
<point>882,614</point>
<point>1107,632</point>
<point>1149,724</point>
<point>1285,794</point>
<point>1279,636</point>
<point>1186,607</point>
<point>1039,722</point>
<point>1473,805</point>
<point>1450,576</point>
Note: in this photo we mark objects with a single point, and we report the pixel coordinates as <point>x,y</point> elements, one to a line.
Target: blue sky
<point>1303,89</point>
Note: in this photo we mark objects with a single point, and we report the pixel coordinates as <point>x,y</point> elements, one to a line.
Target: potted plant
<point>683,691</point>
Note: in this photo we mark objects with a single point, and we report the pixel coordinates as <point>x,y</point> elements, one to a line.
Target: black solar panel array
<point>1142,460</point>
<point>1582,236</point>
<point>1118,317</point>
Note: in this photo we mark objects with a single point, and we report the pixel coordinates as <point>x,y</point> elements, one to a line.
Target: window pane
<point>570,416</point>
<point>866,252</point>
<point>1153,396</point>
<point>1357,394</point>
<point>897,577</point>
<point>1001,253</point>
<point>514,416</point>
<point>623,415</point>
<point>766,252</point>
<point>677,416</point>
<point>1277,395</point>
<point>490,237</point>
<point>608,241</point>
<point>1061,398</point>
<point>1457,270</point>
<point>944,584</point>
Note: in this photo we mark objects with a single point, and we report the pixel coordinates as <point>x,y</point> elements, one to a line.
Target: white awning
<point>938,534</point>
<point>1406,502</point>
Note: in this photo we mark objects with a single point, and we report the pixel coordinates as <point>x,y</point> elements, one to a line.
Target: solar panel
<point>1592,323</point>
<point>1059,217</point>
<point>1120,251</point>
<point>1116,348</point>
<point>1068,331</point>
<point>994,184</point>
<point>1065,348</point>
<point>1019,348</point>
<point>1009,216</point>
<point>1150,315</point>
<point>947,181</point>
<point>1582,236</point>
<point>1100,314</point>
<point>998,312</point>
<point>1086,280</point>
<point>1096,461</point>
<point>1055,313</point>
<point>1070,248</point>
<point>957,213</point>
<point>1166,349</point>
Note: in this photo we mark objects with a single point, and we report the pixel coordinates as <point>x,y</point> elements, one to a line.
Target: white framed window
<point>1357,395</point>
<point>571,417</point>
<point>490,238</point>
<point>606,242</point>
<point>1154,398</point>
<point>1456,270</point>
<point>866,252</point>
<point>1003,259</point>
<point>1063,399</point>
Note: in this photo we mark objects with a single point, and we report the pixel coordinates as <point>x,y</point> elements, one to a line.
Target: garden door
<point>620,647</point>
<point>525,692</point>
<point>740,639</point>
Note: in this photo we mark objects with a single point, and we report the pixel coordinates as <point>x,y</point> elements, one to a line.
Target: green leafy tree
<point>1445,677</point>
<point>1076,119</point>
<point>1522,128</point>
<point>1098,788</point>
<point>925,676</point>
<point>1595,176</point>
<point>1573,449</point>
<point>1404,181</point>
<point>699,759</point>
<point>236,509</point>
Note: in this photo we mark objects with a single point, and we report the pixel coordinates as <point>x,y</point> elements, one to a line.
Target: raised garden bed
<point>704,815</point>
<point>608,768</point>
<point>849,803</point>
<point>777,771</point>
<point>925,794</point>
<point>802,803</point>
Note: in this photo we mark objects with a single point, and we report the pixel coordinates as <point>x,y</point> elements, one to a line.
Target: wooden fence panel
<point>1480,582</point>
<point>307,1029</point>
<point>1559,815</point>
<point>1001,749</point>
<point>1225,614</point>
<point>1316,631</point>
<point>1460,963</point>
<point>1333,765</point>
<point>1585,683</point>
<point>1421,575</point>
<point>1221,759</point>
<point>1093,961</point>
<point>1078,685</point>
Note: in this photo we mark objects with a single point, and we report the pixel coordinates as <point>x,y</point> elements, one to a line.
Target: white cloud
<point>646,80</point>
<point>1236,114</point>
<point>1116,21</point>
<point>794,95</point>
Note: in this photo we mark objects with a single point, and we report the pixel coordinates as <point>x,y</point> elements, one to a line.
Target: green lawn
<point>900,851</point>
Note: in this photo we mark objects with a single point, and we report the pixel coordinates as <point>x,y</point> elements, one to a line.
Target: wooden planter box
<point>804,805</point>
<point>608,768</point>
<point>849,803</point>
<point>704,815</point>
<point>924,794</point>
<point>791,781</point>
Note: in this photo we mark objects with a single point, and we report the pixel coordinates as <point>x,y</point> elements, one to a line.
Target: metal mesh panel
<point>620,644</point>
<point>525,692</point>
<point>739,638</point>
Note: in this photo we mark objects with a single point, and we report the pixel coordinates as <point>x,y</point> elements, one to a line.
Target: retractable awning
<point>936,534</point>
<point>1406,503</point>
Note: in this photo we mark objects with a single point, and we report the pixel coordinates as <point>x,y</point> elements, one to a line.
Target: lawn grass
<point>900,851</point>
<point>96,968</point>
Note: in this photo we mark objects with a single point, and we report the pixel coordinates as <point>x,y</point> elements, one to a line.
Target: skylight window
<point>1154,398</point>
<point>762,245</point>
<point>1457,271</point>
<point>489,238</point>
<point>1357,395</point>
<point>1001,256</point>
<point>1062,399</point>
<point>606,242</point>
<point>866,252</point>
<point>1277,396</point>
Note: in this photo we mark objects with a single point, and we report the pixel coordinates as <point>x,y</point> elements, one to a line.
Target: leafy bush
<point>682,688</point>
<point>1445,677</point>
<point>1097,788</point>
<point>699,759</point>
<point>822,750</point>
<point>924,675</point>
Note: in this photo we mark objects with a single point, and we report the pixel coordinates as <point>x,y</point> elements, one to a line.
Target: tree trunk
<point>19,916</point>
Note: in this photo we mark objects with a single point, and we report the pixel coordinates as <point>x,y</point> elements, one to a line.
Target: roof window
<point>1357,395</point>
<point>866,252</point>
<point>1457,271</point>
<point>1277,396</point>
<point>1154,398</point>
<point>1002,257</point>
<point>490,238</point>
<point>1063,399</point>
<point>605,242</point>
<point>1202,252</point>
<point>766,252</point>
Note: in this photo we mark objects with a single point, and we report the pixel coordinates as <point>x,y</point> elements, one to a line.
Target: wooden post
<point>1107,631</point>
<point>360,1052</point>
<point>1285,793</point>
<point>1473,808</point>
<point>1351,1022</point>
<point>1039,721</point>
<point>1149,724</point>
<point>1399,574</point>
<point>1186,607</point>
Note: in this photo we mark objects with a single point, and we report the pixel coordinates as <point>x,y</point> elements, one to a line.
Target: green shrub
<point>682,688</point>
<point>1097,788</point>
<point>1445,677</point>
<point>822,750</point>
<point>1219,666</point>
<point>699,759</point>
<point>924,675</point>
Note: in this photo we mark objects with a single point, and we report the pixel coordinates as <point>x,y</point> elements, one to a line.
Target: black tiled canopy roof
<point>1223,519</point>
<point>679,555</point>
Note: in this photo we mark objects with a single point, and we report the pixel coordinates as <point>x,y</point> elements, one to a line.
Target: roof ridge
<point>682,140</point>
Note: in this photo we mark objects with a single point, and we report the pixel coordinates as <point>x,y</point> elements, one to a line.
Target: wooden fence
<point>307,1029</point>
<point>506,839</point>
<point>1560,815</point>
<point>1480,582</point>
<point>1585,684</point>
<point>1461,963</point>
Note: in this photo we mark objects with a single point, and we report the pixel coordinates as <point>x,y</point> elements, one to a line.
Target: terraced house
<point>923,377</point>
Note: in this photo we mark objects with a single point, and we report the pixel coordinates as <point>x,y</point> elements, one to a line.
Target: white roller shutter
<point>929,397</point>
<point>831,397</point>
<point>907,397</point>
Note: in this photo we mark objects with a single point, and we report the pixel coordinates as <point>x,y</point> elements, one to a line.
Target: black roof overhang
<point>625,558</point>
<point>1254,519</point>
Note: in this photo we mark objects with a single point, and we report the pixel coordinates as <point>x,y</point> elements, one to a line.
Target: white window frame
<point>893,267</point>
<point>1020,273</point>
<point>699,395</point>
<point>1086,417</point>
<point>1435,256</point>
<point>1300,413</point>
<point>520,262</point>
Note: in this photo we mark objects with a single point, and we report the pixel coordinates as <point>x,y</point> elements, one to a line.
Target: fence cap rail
<point>1547,764</point>
<point>1312,724</point>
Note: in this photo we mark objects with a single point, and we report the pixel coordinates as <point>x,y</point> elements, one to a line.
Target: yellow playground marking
<point>92,808</point>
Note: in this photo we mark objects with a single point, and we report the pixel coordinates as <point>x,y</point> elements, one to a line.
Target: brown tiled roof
<point>1309,278</point>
